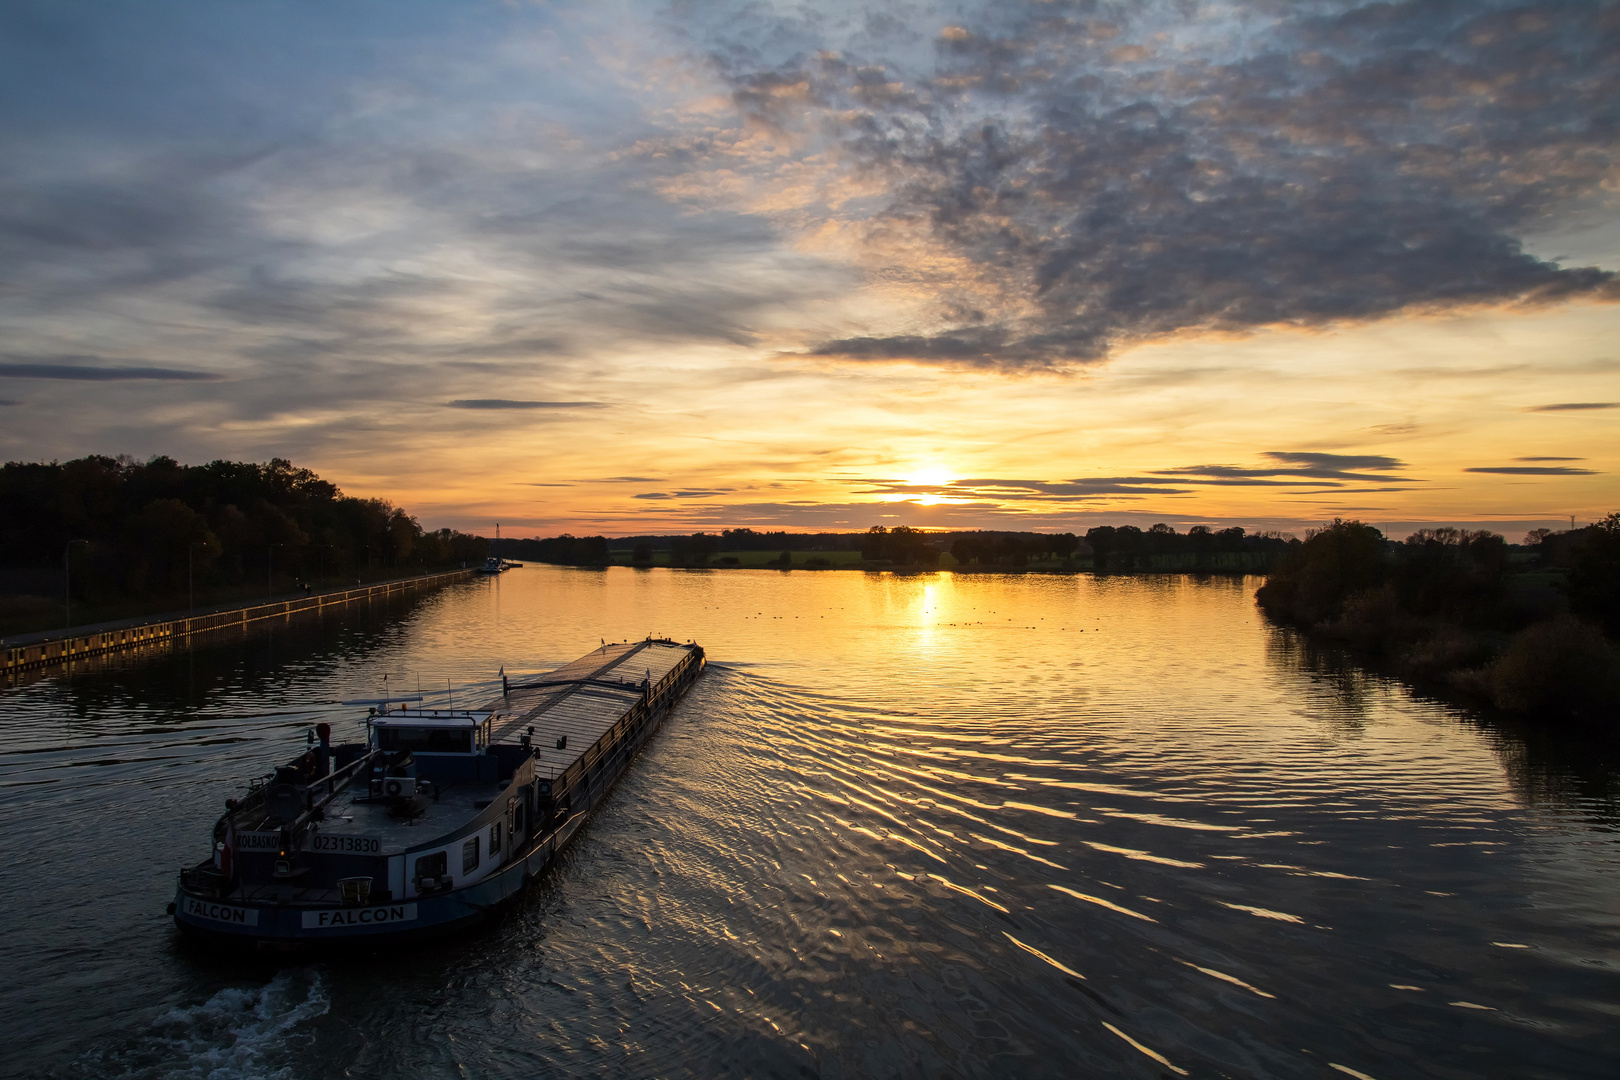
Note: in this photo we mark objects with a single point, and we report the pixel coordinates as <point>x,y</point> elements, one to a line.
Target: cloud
<point>1532,470</point>
<point>459,201</point>
<point>1549,459</point>
<point>1071,179</point>
<point>90,373</point>
<point>1574,406</point>
<point>1315,472</point>
<point>1305,465</point>
<point>509,403</point>
<point>687,494</point>
<point>993,490</point>
<point>8,401</point>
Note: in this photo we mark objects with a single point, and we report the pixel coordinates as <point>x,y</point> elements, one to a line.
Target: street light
<point>191,590</point>
<point>270,569</point>
<point>67,574</point>
<point>323,549</point>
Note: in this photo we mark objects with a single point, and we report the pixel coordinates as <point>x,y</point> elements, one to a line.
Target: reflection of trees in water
<point>1556,766</point>
<point>262,659</point>
<point>1351,689</point>
<point>1574,769</point>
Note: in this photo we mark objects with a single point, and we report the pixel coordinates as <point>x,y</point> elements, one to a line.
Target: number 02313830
<point>348,845</point>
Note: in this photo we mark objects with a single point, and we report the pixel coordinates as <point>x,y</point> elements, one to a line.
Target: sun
<point>930,476</point>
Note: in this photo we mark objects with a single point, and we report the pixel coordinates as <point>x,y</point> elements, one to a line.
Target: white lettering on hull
<point>258,841</point>
<point>348,845</point>
<point>366,916</point>
<point>225,913</point>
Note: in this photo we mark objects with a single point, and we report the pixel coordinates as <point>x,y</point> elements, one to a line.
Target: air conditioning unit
<point>398,787</point>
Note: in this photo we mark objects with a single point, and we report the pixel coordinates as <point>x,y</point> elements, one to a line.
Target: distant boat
<point>495,564</point>
<point>438,817</point>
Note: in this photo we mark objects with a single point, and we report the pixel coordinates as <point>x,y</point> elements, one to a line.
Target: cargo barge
<point>438,817</point>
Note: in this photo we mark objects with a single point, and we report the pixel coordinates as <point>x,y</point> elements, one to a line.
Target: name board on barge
<point>225,913</point>
<point>345,845</point>
<point>366,916</point>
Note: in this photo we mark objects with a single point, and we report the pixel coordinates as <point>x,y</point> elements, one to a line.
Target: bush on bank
<point>1463,608</point>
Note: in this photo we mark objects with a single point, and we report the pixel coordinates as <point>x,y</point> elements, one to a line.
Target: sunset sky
<point>653,267</point>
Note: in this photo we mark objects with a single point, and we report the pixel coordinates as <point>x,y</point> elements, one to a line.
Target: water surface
<point>904,826</point>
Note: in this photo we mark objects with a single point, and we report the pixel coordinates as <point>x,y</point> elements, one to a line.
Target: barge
<point>438,817</point>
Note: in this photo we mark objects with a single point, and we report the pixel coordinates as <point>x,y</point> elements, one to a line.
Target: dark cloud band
<point>509,403</point>
<point>87,373</point>
<point>1106,174</point>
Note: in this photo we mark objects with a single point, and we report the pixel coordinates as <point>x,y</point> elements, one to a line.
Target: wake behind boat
<point>439,816</point>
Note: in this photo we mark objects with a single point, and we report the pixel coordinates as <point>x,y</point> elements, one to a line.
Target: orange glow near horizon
<point>1438,397</point>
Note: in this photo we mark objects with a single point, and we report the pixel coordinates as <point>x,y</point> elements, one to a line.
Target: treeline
<point>1107,548</point>
<point>1200,547</point>
<point>901,544</point>
<point>1524,630</point>
<point>121,528</point>
<point>566,550</point>
<point>746,540</point>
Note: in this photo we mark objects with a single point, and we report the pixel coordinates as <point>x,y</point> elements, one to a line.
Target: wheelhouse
<point>429,732</point>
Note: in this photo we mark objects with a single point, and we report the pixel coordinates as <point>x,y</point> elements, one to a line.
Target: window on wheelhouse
<point>426,740</point>
<point>495,839</point>
<point>431,867</point>
<point>469,856</point>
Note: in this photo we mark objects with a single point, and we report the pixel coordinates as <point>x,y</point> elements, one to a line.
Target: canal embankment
<point>32,652</point>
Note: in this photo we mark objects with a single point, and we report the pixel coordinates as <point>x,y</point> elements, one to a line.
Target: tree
<point>901,544</point>
<point>1101,539</point>
<point>875,544</point>
<point>1594,580</point>
<point>693,550</point>
<point>1455,573</point>
<point>1334,564</point>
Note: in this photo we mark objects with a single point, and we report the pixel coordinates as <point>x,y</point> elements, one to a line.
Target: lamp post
<point>191,589</point>
<point>323,549</point>
<point>270,569</point>
<point>67,575</point>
